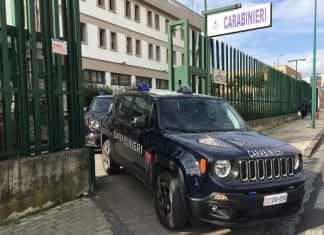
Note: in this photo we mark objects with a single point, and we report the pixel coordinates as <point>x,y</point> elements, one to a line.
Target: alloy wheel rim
<point>164,199</point>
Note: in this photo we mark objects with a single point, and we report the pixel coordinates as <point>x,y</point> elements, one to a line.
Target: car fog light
<point>220,197</point>
<point>213,208</point>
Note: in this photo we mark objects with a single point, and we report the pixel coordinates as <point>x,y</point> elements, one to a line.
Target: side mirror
<point>138,122</point>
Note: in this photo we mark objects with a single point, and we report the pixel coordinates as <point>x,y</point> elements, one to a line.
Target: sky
<point>290,37</point>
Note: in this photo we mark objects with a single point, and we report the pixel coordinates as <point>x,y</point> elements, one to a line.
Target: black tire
<point>108,164</point>
<point>169,201</point>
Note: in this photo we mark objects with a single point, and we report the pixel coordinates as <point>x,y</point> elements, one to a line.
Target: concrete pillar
<point>108,79</point>
<point>133,80</point>
<point>153,83</point>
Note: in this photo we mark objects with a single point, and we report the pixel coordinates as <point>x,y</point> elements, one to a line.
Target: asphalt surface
<point>129,207</point>
<point>312,221</point>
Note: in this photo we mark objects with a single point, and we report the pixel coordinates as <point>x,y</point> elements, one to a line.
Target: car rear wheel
<point>108,164</point>
<point>169,202</point>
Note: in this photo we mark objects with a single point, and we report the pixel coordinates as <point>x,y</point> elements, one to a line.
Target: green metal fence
<point>40,100</point>
<point>255,89</point>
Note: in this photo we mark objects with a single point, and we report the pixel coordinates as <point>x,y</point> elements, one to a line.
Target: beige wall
<point>89,63</point>
<point>288,70</point>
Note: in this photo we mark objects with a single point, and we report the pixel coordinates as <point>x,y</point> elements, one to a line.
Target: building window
<point>101,3</point>
<point>144,80</point>
<point>158,53</point>
<point>137,13</point>
<point>166,25</point>
<point>128,9</point>
<point>129,45</point>
<point>182,34</point>
<point>113,41</point>
<point>149,19</point>
<point>150,51</point>
<point>83,33</point>
<point>157,22</point>
<point>182,58</point>
<point>102,38</point>
<point>167,56</point>
<point>174,54</point>
<point>120,79</point>
<point>138,48</point>
<point>92,76</point>
<point>174,33</point>
<point>161,84</point>
<point>112,5</point>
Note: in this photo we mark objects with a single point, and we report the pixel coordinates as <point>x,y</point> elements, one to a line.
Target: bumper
<point>93,140</point>
<point>241,209</point>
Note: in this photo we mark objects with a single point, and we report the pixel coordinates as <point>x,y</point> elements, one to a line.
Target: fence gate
<point>40,102</point>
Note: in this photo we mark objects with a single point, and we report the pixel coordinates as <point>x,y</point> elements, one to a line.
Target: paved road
<point>312,222</point>
<point>129,207</point>
<point>122,206</point>
<point>72,218</point>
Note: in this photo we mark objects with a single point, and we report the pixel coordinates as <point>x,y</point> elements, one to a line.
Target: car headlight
<point>94,124</point>
<point>298,162</point>
<point>222,168</point>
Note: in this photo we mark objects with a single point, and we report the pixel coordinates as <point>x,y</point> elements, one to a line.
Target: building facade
<point>124,42</point>
<point>288,70</point>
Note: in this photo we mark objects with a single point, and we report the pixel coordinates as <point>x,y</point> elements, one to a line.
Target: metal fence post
<point>92,173</point>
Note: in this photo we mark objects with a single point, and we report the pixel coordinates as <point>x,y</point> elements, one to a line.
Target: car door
<point>121,128</point>
<point>142,108</point>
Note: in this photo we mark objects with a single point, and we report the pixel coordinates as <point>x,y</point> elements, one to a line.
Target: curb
<point>314,144</point>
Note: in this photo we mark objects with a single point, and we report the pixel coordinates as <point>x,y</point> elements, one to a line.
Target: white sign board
<point>59,47</point>
<point>243,19</point>
<point>219,76</point>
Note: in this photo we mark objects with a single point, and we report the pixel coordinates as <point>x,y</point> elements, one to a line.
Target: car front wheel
<point>170,203</point>
<point>108,164</point>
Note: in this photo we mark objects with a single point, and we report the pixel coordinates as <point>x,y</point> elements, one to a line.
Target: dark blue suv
<point>98,111</point>
<point>202,160</point>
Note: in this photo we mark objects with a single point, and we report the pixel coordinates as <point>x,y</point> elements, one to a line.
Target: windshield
<point>198,115</point>
<point>100,105</point>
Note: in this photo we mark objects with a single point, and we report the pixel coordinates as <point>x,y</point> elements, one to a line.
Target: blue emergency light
<point>142,86</point>
<point>185,90</point>
<point>101,92</point>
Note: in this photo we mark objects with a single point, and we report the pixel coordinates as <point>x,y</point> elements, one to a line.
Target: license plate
<point>275,199</point>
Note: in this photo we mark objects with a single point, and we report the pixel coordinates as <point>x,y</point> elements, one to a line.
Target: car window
<point>124,109</point>
<point>100,105</point>
<point>142,107</point>
<point>198,115</point>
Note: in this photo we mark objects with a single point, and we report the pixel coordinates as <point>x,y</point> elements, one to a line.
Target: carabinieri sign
<point>243,19</point>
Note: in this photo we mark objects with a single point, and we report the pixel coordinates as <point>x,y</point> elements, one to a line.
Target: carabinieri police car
<point>201,159</point>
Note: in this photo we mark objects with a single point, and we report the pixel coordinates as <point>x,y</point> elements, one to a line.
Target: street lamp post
<point>314,80</point>
<point>296,61</point>
<point>278,63</point>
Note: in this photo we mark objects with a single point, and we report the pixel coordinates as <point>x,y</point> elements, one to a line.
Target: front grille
<point>266,169</point>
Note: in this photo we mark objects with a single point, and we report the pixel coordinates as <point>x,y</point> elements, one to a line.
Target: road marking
<point>320,199</point>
